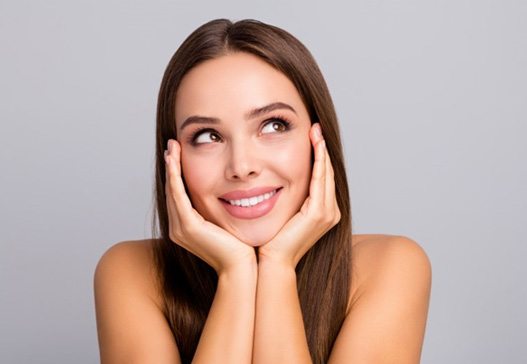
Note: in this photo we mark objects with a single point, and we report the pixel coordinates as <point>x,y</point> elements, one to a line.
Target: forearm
<point>279,335</point>
<point>228,333</point>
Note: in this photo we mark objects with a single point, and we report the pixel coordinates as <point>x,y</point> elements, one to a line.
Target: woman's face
<point>237,148</point>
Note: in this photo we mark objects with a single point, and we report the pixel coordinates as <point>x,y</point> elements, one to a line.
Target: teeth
<point>255,200</point>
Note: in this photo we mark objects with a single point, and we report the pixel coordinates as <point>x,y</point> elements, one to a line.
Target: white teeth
<point>255,200</point>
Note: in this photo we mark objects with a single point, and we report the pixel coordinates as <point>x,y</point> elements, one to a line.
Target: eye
<point>205,136</point>
<point>275,125</point>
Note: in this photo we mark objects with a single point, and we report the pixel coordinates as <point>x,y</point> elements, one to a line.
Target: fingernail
<point>169,146</point>
<point>318,130</point>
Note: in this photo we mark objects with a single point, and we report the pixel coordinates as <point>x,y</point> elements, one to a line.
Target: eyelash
<point>192,138</point>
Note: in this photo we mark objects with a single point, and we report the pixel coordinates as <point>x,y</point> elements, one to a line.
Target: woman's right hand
<point>187,228</point>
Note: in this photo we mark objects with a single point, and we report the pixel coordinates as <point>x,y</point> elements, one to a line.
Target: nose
<point>243,162</point>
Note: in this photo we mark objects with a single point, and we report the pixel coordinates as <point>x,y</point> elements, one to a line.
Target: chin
<point>254,243</point>
<point>255,238</point>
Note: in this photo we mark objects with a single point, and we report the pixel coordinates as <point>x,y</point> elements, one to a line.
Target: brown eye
<point>278,126</point>
<point>206,136</point>
<point>275,125</point>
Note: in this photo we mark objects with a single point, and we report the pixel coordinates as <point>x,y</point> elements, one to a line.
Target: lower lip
<point>252,212</point>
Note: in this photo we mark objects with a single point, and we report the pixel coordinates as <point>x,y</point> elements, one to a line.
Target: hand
<point>318,214</point>
<point>187,228</point>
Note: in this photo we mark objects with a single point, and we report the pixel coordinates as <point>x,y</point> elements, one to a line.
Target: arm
<point>279,333</point>
<point>228,333</point>
<point>386,322</point>
<point>279,330</point>
<point>132,328</point>
<point>130,322</point>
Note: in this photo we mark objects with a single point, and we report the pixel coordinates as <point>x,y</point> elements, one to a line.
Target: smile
<point>251,207</point>
<point>253,201</point>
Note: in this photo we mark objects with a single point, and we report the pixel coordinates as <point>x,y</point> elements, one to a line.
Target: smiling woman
<point>252,261</point>
<point>254,140</point>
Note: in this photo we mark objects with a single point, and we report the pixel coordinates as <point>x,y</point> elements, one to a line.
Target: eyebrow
<point>196,119</point>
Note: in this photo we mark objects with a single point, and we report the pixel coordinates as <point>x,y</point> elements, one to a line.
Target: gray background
<point>431,98</point>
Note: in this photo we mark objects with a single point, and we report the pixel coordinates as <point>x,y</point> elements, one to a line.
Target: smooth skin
<point>243,150</point>
<point>385,323</point>
<point>273,279</point>
<point>256,302</point>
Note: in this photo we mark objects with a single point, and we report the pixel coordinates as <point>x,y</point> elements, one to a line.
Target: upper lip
<point>239,194</point>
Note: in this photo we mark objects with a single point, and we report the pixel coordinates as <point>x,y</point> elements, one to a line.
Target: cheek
<point>295,161</point>
<point>198,174</point>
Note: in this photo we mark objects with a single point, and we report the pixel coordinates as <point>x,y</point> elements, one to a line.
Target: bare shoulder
<point>131,326</point>
<point>135,257</point>
<point>387,312</point>
<point>377,256</point>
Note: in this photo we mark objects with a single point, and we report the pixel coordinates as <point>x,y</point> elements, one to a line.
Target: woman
<point>253,262</point>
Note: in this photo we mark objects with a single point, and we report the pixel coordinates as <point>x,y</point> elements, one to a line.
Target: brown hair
<point>187,283</point>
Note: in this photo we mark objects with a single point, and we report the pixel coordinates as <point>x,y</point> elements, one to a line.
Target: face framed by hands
<point>244,135</point>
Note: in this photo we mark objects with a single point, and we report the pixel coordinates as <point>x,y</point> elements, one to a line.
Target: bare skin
<point>132,328</point>
<point>256,300</point>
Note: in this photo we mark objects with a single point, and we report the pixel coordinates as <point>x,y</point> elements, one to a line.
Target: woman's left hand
<point>318,214</point>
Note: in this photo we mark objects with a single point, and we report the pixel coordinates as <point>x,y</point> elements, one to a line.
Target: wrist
<point>269,262</point>
<point>268,257</point>
<point>276,271</point>
<point>248,268</point>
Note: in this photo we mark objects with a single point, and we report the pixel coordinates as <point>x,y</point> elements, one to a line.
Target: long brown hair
<point>187,283</point>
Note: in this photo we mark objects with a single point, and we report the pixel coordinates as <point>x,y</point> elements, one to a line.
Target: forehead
<point>228,86</point>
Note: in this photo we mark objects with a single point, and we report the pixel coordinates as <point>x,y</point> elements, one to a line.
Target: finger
<point>173,216</point>
<point>318,178</point>
<point>331,197</point>
<point>330,180</point>
<point>180,198</point>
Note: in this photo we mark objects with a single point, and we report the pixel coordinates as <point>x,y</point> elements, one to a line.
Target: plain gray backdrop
<point>431,97</point>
